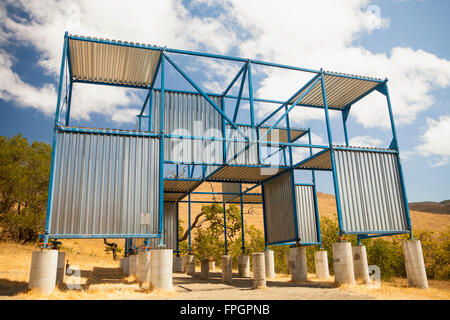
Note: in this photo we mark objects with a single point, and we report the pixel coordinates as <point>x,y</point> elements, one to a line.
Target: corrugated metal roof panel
<point>340,91</point>
<point>321,160</point>
<point>109,63</point>
<point>244,174</point>
<point>248,198</point>
<point>181,185</point>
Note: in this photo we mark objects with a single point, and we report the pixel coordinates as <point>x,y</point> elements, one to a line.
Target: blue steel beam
<point>55,144</point>
<point>385,91</point>
<point>241,88</point>
<point>244,67</point>
<point>333,164</point>
<point>212,103</point>
<point>287,101</point>
<point>161,158</point>
<point>292,106</point>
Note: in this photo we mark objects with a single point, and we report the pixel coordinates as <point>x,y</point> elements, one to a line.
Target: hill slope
<point>442,207</point>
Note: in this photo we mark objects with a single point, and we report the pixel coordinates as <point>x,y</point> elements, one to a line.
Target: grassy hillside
<point>442,207</point>
<point>421,220</point>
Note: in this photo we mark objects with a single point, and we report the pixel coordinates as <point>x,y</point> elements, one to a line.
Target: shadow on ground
<point>12,288</point>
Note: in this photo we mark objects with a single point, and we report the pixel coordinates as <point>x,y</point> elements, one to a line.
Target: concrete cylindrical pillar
<point>61,267</point>
<point>227,269</point>
<point>204,269</point>
<point>43,270</point>
<point>212,265</point>
<point>126,265</point>
<point>161,269</point>
<point>132,265</point>
<point>270,264</point>
<point>190,265</point>
<point>415,264</point>
<point>244,266</point>
<point>343,263</point>
<point>360,265</point>
<point>143,268</point>
<point>177,264</point>
<point>321,262</point>
<point>259,270</point>
<point>299,270</point>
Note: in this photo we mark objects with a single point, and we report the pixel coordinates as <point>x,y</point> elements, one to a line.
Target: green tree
<point>24,179</point>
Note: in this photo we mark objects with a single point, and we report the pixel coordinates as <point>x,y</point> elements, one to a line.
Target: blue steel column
<point>316,206</point>
<point>69,102</point>
<point>264,216</point>
<point>242,219</point>
<point>150,108</point>
<point>395,146</point>
<point>345,113</point>
<point>178,229</point>
<point>333,164</point>
<point>225,227</point>
<point>55,143</point>
<point>161,158</point>
<point>224,143</point>
<point>189,223</point>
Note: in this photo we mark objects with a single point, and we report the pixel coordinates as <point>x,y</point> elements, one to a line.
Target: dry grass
<point>398,290</point>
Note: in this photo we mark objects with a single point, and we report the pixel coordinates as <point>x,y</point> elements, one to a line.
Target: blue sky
<point>405,41</point>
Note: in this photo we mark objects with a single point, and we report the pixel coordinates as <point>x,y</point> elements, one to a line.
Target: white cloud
<point>435,141</point>
<point>365,141</point>
<point>311,34</point>
<point>13,88</point>
<point>165,23</point>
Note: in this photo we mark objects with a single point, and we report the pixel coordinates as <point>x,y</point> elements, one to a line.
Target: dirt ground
<point>101,278</point>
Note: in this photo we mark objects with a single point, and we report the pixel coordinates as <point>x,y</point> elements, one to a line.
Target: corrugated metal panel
<point>173,196</point>
<point>170,228</point>
<point>248,198</point>
<point>108,63</point>
<point>191,115</point>
<point>244,174</point>
<point>306,215</point>
<point>370,191</point>
<point>170,225</point>
<point>281,134</point>
<point>317,161</point>
<point>230,188</point>
<point>103,183</point>
<point>236,151</point>
<point>340,91</point>
<point>279,209</point>
<point>181,185</point>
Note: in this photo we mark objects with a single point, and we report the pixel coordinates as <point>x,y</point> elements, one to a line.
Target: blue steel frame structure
<point>246,73</point>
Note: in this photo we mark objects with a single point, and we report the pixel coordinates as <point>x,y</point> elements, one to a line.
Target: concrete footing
<point>61,267</point>
<point>132,265</point>
<point>321,263</point>
<point>43,270</point>
<point>414,264</point>
<point>360,265</point>
<point>212,265</point>
<point>204,272</point>
<point>126,265</point>
<point>270,264</point>
<point>189,266</point>
<point>161,269</point>
<point>121,264</point>
<point>299,270</point>
<point>259,270</point>
<point>244,266</point>
<point>343,263</point>
<point>177,264</point>
<point>143,268</point>
<point>227,269</point>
